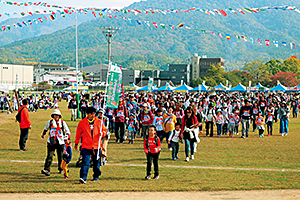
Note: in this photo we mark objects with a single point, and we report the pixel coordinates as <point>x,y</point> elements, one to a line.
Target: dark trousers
<point>50,152</point>
<point>111,126</point>
<point>225,129</point>
<point>83,113</point>
<point>175,148</point>
<point>86,158</point>
<point>211,125</point>
<point>270,127</point>
<point>152,157</point>
<point>119,131</point>
<point>253,121</point>
<point>23,138</point>
<point>161,135</point>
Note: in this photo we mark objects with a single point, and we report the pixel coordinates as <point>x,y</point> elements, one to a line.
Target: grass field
<point>273,152</point>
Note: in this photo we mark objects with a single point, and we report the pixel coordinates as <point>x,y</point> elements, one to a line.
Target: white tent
<point>4,89</point>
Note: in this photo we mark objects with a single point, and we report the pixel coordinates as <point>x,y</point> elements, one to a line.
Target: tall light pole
<point>108,33</point>
<point>76,52</point>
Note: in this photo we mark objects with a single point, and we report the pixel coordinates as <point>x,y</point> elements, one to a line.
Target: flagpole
<point>108,33</point>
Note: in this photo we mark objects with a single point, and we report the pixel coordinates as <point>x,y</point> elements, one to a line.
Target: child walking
<point>260,124</point>
<point>237,122</point>
<point>132,128</point>
<point>231,125</point>
<point>173,141</point>
<point>269,122</point>
<point>152,147</point>
<point>67,156</point>
<point>219,122</point>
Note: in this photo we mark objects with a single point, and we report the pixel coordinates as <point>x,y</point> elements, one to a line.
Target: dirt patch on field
<point>247,195</point>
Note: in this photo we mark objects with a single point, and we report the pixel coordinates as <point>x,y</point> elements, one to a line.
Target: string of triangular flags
<point>221,12</point>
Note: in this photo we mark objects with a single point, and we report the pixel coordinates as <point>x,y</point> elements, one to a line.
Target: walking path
<point>175,166</point>
<point>221,195</point>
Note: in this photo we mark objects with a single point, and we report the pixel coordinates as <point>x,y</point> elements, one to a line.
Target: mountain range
<point>141,46</point>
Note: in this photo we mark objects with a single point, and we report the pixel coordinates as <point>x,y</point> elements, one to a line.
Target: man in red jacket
<point>25,125</point>
<point>90,134</point>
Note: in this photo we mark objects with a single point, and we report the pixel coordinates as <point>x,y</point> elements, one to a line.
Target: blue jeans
<point>187,147</point>
<point>219,129</point>
<point>111,126</point>
<point>86,157</point>
<point>284,125</point>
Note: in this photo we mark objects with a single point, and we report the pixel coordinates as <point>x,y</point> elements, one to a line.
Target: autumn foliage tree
<point>286,78</point>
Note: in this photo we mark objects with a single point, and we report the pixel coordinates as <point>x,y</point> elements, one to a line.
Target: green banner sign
<point>114,87</point>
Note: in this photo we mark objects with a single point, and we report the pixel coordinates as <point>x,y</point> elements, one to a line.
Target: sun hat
<point>56,112</point>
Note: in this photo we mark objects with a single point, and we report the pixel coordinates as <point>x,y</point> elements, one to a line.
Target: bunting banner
<point>114,89</point>
<point>108,12</point>
<point>212,12</point>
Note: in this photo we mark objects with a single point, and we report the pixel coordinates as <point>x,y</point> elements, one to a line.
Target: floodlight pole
<point>108,33</point>
<point>76,52</point>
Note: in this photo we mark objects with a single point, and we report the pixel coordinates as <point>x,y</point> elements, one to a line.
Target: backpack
<point>147,142</point>
<point>53,139</point>
<point>18,116</point>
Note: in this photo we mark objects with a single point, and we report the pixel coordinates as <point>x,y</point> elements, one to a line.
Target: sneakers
<point>95,179</point>
<point>156,177</point>
<point>23,149</point>
<point>147,177</point>
<point>46,172</point>
<point>187,159</point>
<point>269,134</point>
<point>243,136</point>
<point>174,159</point>
<point>192,157</point>
<point>285,134</point>
<point>177,157</point>
<point>82,181</point>
<point>282,134</point>
<point>66,177</point>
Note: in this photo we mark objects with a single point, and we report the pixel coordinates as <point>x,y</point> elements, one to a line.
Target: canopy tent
<point>278,88</point>
<point>183,87</point>
<point>4,89</point>
<point>166,87</point>
<point>220,87</point>
<point>238,88</point>
<point>258,87</point>
<point>146,88</point>
<point>132,87</point>
<point>200,88</point>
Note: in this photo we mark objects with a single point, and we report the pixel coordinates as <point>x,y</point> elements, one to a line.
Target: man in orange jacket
<point>25,125</point>
<point>88,132</point>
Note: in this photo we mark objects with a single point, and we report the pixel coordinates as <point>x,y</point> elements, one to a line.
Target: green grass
<point>273,152</point>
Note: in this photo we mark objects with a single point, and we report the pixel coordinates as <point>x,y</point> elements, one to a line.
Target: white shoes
<point>286,134</point>
<point>282,134</point>
<point>192,157</point>
<point>187,159</point>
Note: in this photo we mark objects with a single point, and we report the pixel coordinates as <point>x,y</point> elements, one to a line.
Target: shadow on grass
<point>10,149</point>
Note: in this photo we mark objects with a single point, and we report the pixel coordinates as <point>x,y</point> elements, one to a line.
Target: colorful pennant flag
<point>227,36</point>
<point>293,46</point>
<point>267,42</point>
<point>155,24</point>
<point>180,25</point>
<point>284,44</point>
<point>275,43</point>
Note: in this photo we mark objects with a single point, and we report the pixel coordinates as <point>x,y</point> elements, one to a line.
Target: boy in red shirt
<point>152,149</point>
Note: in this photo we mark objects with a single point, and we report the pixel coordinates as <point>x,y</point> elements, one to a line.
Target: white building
<point>13,76</point>
<point>63,76</point>
<point>42,69</point>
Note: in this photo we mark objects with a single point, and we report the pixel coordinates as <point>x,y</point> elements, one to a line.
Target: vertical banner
<point>150,84</point>
<point>115,80</point>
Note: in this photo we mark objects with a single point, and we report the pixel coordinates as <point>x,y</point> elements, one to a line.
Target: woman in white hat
<point>58,129</point>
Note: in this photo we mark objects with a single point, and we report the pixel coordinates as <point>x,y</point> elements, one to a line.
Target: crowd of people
<point>173,117</point>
